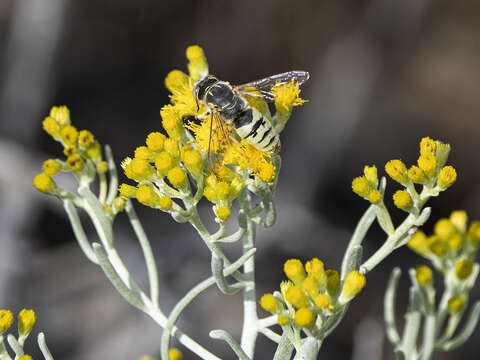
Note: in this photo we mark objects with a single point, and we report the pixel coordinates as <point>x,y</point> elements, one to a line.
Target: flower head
<point>6,319</point>
<point>26,320</point>
<point>287,96</point>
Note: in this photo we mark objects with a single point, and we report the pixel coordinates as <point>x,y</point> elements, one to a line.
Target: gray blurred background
<point>384,73</point>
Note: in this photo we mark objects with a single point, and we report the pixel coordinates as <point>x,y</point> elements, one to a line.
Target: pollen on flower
<point>271,304</point>
<point>6,319</point>
<point>428,163</point>
<point>287,96</point>
<point>197,62</point>
<point>464,269</point>
<point>177,177</point>
<point>266,173</point>
<point>316,269</point>
<point>360,186</point>
<point>44,183</point>
<point>171,146</point>
<point>174,354</point>
<point>397,170</point>
<point>147,196</point>
<point>26,320</point>
<point>416,174</point>
<point>51,167</point>
<point>85,138</point>
<point>403,200</point>
<point>165,203</point>
<point>424,275</point>
<point>427,146</point>
<point>164,162</point>
<point>305,317</point>
<point>176,80</point>
<point>223,212</point>
<point>296,296</point>
<point>294,270</point>
<point>142,152</point>
<point>446,177</point>
<point>193,161</point>
<point>141,169</point>
<point>74,163</point>
<point>375,197</point>
<point>210,137</point>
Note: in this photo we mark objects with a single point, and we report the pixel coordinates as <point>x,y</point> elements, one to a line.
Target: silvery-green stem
<point>267,321</point>
<point>389,307</point>
<point>78,231</point>
<point>3,351</point>
<point>146,249</point>
<point>43,347</point>
<point>467,330</point>
<point>412,324</point>
<point>112,169</point>
<point>397,239</point>
<point>190,296</point>
<point>428,337</point>
<point>272,335</point>
<point>225,336</point>
<point>285,348</point>
<point>250,317</point>
<point>16,347</point>
<point>102,193</point>
<point>221,281</point>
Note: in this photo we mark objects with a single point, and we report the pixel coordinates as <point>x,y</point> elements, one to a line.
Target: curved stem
<point>225,336</point>
<point>43,347</point>
<point>112,168</point>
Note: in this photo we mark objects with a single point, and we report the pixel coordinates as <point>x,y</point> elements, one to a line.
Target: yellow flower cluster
<point>430,171</point>
<point>79,148</point>
<point>310,291</point>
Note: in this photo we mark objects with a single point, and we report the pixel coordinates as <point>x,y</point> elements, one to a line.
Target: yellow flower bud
<point>197,62</point>
<point>457,303</point>
<point>446,177</point>
<point>51,127</point>
<point>463,269</point>
<point>155,141</point>
<point>375,197</point>
<point>294,270</point>
<point>424,275</point>
<point>370,173</point>
<point>266,172</point>
<point>102,167</point>
<point>119,203</point>
<point>428,163</point>
<point>165,203</point>
<point>444,229</point>
<point>141,169</point>
<point>316,269</point>
<point>26,320</point>
<point>44,183</point>
<point>174,354</point>
<point>176,80</point>
<point>416,174</point>
<point>69,135</point>
<point>459,220</point>
<point>143,153</point>
<point>193,161</point>
<point>419,243</point>
<point>164,162</point>
<point>474,232</point>
<point>61,114</point>
<point>403,200</point>
<point>310,286</point>
<point>333,282</point>
<point>397,170</point>
<point>305,317</point>
<point>360,186</point>
<point>427,146</point>
<point>127,191</point>
<point>85,138</point>
<point>354,283</point>
<point>223,212</point>
<point>6,319</point>
<point>283,320</point>
<point>296,296</point>
<point>74,163</point>
<point>147,196</point>
<point>51,167</point>
<point>177,177</point>
<point>171,146</point>
<point>437,246</point>
<point>323,301</point>
<point>271,304</point>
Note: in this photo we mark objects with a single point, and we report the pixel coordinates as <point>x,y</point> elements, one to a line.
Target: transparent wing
<point>262,88</point>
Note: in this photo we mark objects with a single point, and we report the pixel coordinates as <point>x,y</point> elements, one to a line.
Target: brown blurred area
<point>384,73</point>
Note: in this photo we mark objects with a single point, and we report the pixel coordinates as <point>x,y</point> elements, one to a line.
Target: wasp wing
<point>265,85</point>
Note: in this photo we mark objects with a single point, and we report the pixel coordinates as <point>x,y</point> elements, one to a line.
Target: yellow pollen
<point>304,317</point>
<point>51,167</point>
<point>223,212</point>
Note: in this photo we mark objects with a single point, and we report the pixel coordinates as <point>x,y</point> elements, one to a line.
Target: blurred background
<point>384,73</point>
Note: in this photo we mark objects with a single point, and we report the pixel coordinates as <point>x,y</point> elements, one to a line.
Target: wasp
<point>229,104</point>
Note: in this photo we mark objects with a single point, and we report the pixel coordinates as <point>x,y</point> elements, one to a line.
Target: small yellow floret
<point>25,357</point>
<point>295,296</point>
<point>74,163</point>
<point>424,275</point>
<point>177,177</point>
<point>155,141</point>
<point>360,186</point>
<point>266,172</point>
<point>70,150</point>
<point>416,174</point>
<point>26,320</point>
<point>305,317</point>
<point>419,243</point>
<point>403,200</point>
<point>174,354</point>
<point>94,151</point>
<point>69,135</point>
<point>370,173</point>
<point>165,203</point>
<point>455,242</point>
<point>375,197</point>
<point>283,320</point>
<point>102,167</point>
<point>271,304</point>
<point>427,146</point>
<point>316,269</point>
<point>61,114</point>
<point>193,161</point>
<point>119,204</point>
<point>175,80</point>
<point>457,303</point>
<point>397,170</point>
<point>464,269</point>
<point>310,285</point>
<point>85,138</point>
<point>459,219</point>
<point>172,115</point>
<point>447,176</point>
<point>197,62</point>
<point>287,96</point>
<point>164,162</point>
<point>141,169</point>
<point>323,301</point>
<point>127,191</point>
<point>44,183</point>
<point>147,196</point>
<point>6,319</point>
<point>284,286</point>
<point>333,282</point>
<point>142,152</point>
<point>223,212</point>
<point>171,146</point>
<point>294,270</point>
<point>437,246</point>
<point>51,167</point>
<point>444,229</point>
<point>222,189</point>
<point>354,283</point>
<point>428,163</point>
<point>51,127</point>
